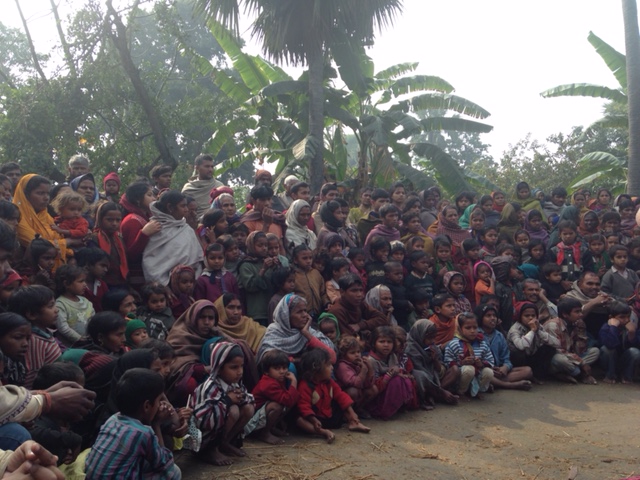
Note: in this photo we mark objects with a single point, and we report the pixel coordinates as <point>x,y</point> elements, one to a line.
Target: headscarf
<point>218,357</point>
<point>446,280</point>
<point>326,215</point>
<point>415,341</point>
<point>540,232</point>
<point>298,234</point>
<point>501,266</point>
<point>217,203</point>
<point>478,265</point>
<point>111,176</point>
<point>333,318</point>
<point>529,203</point>
<point>246,329</point>
<point>332,239</point>
<point>595,204</point>
<point>464,219</point>
<point>282,336</point>
<point>373,300</point>
<point>582,228</point>
<point>217,191</point>
<point>32,223</point>
<point>453,230</point>
<point>75,183</point>
<point>520,306</point>
<point>132,209</point>
<point>12,276</point>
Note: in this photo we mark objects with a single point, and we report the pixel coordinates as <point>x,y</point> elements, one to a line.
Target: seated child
<point>620,350</point>
<point>379,252</point>
<point>419,298</point>
<point>182,282</point>
<point>105,334</point>
<point>96,264</point>
<point>322,404</point>
<point>394,384</point>
<point>394,282</point>
<point>505,375</point>
<point>619,281</point>
<point>39,261</point>
<point>454,283</point>
<point>328,324</point>
<point>38,305</point>
<point>309,281</point>
<point>600,261</point>
<point>215,280</point>
<point>471,354</point>
<point>355,375</point>
<point>69,223</point>
<point>486,284</point>
<point>222,406</point>
<point>15,332</point>
<point>135,333</point>
<point>420,274</point>
<point>338,267</point>
<point>154,311</point>
<point>74,311</point>
<point>275,395</point>
<point>130,443</point>
<point>573,358</point>
<point>444,307</point>
<point>283,280</point>
<point>552,282</point>
<point>11,283</point>
<point>358,260</point>
<point>53,431</point>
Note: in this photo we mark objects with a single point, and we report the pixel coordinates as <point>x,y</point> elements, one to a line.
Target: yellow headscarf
<point>246,329</point>
<point>32,223</point>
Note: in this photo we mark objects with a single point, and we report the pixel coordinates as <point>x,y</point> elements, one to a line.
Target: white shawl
<point>298,234</point>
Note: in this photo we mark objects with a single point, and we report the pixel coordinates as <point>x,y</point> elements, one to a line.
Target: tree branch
<point>65,46</point>
<point>32,48</point>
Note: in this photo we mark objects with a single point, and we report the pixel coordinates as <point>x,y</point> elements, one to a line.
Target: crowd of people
<point>142,320</point>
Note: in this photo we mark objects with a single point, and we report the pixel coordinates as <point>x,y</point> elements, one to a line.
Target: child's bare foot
<point>522,385</point>
<point>563,377</point>
<point>450,398</point>
<point>278,432</point>
<point>328,434</point>
<point>426,406</point>
<point>231,450</point>
<point>268,437</point>
<point>220,459</point>
<point>589,380</point>
<point>608,380</point>
<point>626,381</point>
<point>358,427</point>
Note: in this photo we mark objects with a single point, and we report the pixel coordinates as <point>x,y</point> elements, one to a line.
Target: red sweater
<point>315,399</point>
<point>269,389</point>
<point>132,237</point>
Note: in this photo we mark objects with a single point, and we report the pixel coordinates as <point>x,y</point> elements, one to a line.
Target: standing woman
<point>297,232</point>
<point>136,229</point>
<point>227,203</point>
<point>32,197</point>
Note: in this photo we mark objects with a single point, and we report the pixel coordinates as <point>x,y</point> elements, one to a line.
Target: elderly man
<point>284,199</point>
<point>201,183</point>
<point>594,302</point>
<point>78,166</point>
<point>531,291</point>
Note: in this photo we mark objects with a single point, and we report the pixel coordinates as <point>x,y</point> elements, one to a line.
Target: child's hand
<point>292,378</point>
<point>498,372</point>
<point>478,363</point>
<point>57,229</point>
<point>151,228</point>
<point>468,361</point>
<point>533,325</point>
<point>267,216</point>
<point>566,284</point>
<point>185,413</point>
<point>317,425</point>
<point>268,262</point>
<point>236,396</point>
<point>631,327</point>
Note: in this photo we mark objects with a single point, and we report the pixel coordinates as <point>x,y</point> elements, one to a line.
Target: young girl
<point>354,374</point>
<point>74,310</point>
<point>222,406</point>
<point>521,238</point>
<point>599,256</point>
<point>232,253</point>
<point>283,281</point>
<point>443,258</point>
<point>463,200</point>
<point>455,283</point>
<point>412,228</point>
<point>535,228</point>
<point>472,355</point>
<point>240,232</point>
<point>602,202</point>
<point>330,328</point>
<point>9,213</point>
<point>379,249</point>
<point>107,237</point>
<point>394,384</point>
<point>333,244</point>
<point>273,250</point>
<point>536,253</point>
<point>485,284</point>
<point>40,260</point>
<point>181,284</point>
<point>431,376</point>
<point>96,264</point>
<point>254,277</point>
<point>505,375</point>
<point>322,403</point>
<point>309,281</point>
<point>397,252</point>
<point>215,281</point>
<point>69,222</point>
<point>15,332</point>
<point>357,258</point>
<point>488,240</point>
<point>155,312</point>
<point>214,225</point>
<point>105,334</point>
<point>120,301</point>
<point>476,223</point>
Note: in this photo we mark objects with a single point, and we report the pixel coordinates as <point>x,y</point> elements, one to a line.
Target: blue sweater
<point>499,348</point>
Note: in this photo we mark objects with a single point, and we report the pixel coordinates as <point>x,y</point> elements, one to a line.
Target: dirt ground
<point>534,435</point>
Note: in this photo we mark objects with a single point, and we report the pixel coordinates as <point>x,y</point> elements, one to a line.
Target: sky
<point>499,54</point>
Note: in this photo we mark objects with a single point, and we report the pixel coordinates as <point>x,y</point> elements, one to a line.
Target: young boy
<point>420,274</point>
<point>215,280</point>
<point>154,311</point>
<point>38,305</point>
<point>444,306</point>
<point>393,276</point>
<point>96,263</point>
<point>275,394</point>
<point>620,350</point>
<point>379,197</point>
<point>573,358</point>
<point>619,280</point>
<point>328,325</point>
<point>570,254</point>
<point>552,282</point>
<point>420,300</point>
<point>388,228</point>
<point>130,444</point>
<point>135,333</point>
<point>309,282</point>
<point>338,267</point>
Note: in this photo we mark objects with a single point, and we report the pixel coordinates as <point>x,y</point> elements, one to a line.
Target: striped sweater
<point>43,350</point>
<point>455,351</point>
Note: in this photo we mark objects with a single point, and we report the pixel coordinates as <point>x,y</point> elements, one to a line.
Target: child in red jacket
<point>322,403</point>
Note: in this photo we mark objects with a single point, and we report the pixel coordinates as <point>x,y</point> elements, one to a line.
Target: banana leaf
<point>616,61</point>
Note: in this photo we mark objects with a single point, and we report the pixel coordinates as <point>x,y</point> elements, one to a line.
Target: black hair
<point>383,331</point>
<point>468,195</point>
<point>170,198</point>
<point>34,182</point>
<point>407,217</point>
<point>38,247</point>
<point>379,193</point>
<point>113,298</point>
<point>634,243</point>
<point>487,297</point>
<point>297,186</point>
<point>389,266</point>
<point>408,205</point>
<point>135,193</point>
<point>203,157</point>
<point>159,170</point>
<point>559,192</point>
<point>89,256</point>
<point>56,372</point>
<point>136,387</point>
<point>395,186</point>
<point>214,247</point>
<point>354,252</point>
<point>441,241</point>
<point>417,295</point>
<point>103,323</point>
<point>567,225</point>
<point>228,297</point>
<point>273,358</point>
<point>536,242</point>
<point>337,263</point>
<point>481,310</point>
<point>30,300</point>
<point>9,211</point>
<point>549,268</point>
<point>417,255</point>
<point>9,167</point>
<point>279,277</point>
<point>439,299</point>
<point>348,280</point>
<point>227,241</point>
<point>261,191</point>
<point>327,187</point>
<point>163,349</point>
<point>148,289</point>
<point>211,217</point>
<point>470,244</point>
<point>66,275</point>
<point>300,248</point>
<point>625,204</point>
<point>105,208</point>
<point>610,216</point>
<point>484,230</point>
<point>10,321</point>
<point>313,361</point>
<point>566,305</point>
<point>238,226</point>
<point>379,243</point>
<point>619,308</point>
<point>503,247</point>
<point>484,199</point>
<point>462,317</point>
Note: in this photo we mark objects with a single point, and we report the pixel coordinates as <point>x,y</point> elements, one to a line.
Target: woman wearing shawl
<point>223,200</point>
<point>525,199</point>
<point>232,323</point>
<point>380,299</point>
<point>589,223</point>
<point>136,228</point>
<point>427,367</point>
<point>85,185</point>
<point>534,226</point>
<point>297,232</point>
<point>176,243</point>
<point>510,221</point>
<point>32,197</point>
<point>428,212</point>
<point>448,225</point>
<point>602,202</point>
<point>291,330</point>
<point>333,218</point>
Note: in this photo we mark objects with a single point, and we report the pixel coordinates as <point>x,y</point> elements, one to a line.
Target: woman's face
<point>463,203</point>
<point>579,201</point>
<point>499,199</point>
<point>128,305</point>
<point>304,215</point>
<point>298,316</point>
<point>148,198</point>
<point>228,206</point>
<point>206,321</point>
<point>87,189</point>
<point>180,210</point>
<point>590,222</point>
<point>113,341</point>
<point>604,198</point>
<point>524,193</point>
<point>451,215</point>
<point>234,311</point>
<point>39,197</point>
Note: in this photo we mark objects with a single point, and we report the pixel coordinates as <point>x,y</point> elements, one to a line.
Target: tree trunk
<point>632,47</point>
<point>119,38</point>
<point>315,60</point>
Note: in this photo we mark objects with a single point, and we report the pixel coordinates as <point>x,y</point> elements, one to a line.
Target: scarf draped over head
<point>332,239</point>
<point>520,306</point>
<point>219,200</point>
<point>326,215</point>
<point>453,230</point>
<point>246,329</point>
<point>32,223</point>
<point>219,354</point>
<point>465,218</point>
<point>75,183</point>
<point>216,192</point>
<point>449,276</point>
<point>582,228</point>
<point>540,232</point>
<point>501,267</point>
<point>298,234</point>
<point>251,243</point>
<point>478,265</point>
<point>420,355</point>
<point>529,203</point>
<point>282,336</point>
<point>372,299</point>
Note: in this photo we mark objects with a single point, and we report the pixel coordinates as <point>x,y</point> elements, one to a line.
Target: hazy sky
<point>498,53</point>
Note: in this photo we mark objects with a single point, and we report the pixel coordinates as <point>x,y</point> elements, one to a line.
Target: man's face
<point>164,181</point>
<point>14,176</point>
<point>590,285</point>
<point>78,169</point>
<point>365,199</point>
<point>531,292</point>
<point>205,170</point>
